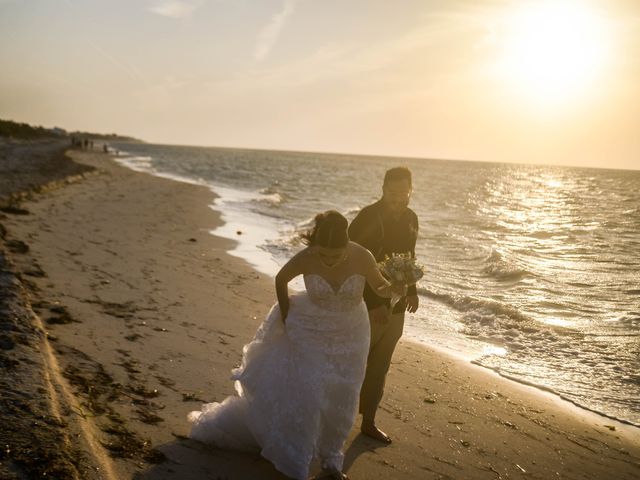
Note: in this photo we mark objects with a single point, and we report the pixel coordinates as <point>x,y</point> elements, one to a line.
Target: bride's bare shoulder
<point>304,254</point>
<point>304,257</point>
<point>360,254</point>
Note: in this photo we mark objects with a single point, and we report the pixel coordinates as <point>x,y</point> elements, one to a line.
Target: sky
<point>552,82</point>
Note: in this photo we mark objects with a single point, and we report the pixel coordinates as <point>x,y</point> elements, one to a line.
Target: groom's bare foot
<point>375,433</point>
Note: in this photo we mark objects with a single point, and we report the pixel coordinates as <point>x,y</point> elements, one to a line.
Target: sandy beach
<point>138,314</point>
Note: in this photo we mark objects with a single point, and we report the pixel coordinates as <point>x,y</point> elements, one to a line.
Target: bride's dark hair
<point>329,230</point>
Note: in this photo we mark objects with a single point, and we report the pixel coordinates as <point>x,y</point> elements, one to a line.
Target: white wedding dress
<point>298,385</point>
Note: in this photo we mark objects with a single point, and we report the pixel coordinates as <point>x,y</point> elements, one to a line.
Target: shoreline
<point>574,407</point>
<point>131,293</point>
<point>245,235</point>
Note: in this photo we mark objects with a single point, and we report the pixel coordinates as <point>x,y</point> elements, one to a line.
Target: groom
<point>385,227</point>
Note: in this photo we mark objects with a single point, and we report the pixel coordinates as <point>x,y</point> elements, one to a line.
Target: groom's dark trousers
<point>384,337</point>
<point>383,235</point>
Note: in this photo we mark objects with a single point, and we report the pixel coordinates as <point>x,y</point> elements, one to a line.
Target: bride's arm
<point>288,272</point>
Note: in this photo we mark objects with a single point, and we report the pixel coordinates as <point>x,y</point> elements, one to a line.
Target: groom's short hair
<point>397,173</point>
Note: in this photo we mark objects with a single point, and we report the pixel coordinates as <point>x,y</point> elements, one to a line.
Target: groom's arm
<point>412,290</point>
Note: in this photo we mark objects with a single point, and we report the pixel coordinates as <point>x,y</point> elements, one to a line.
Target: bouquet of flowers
<point>401,269</point>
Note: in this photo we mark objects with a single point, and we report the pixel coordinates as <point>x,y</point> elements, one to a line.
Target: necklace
<point>339,262</point>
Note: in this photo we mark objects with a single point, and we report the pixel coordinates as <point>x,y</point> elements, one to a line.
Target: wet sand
<point>145,315</point>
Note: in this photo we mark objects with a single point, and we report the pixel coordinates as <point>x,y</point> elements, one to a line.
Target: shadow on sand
<point>360,444</point>
<point>188,459</point>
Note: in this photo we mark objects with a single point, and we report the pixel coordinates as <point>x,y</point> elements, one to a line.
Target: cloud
<point>175,8</point>
<point>270,32</point>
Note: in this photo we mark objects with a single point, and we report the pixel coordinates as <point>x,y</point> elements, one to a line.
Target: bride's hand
<point>398,289</point>
<point>284,311</point>
<point>392,290</point>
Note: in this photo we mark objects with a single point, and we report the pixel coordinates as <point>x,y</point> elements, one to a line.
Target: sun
<point>554,51</point>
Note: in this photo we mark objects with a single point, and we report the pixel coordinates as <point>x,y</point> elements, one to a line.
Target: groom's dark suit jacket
<point>383,234</point>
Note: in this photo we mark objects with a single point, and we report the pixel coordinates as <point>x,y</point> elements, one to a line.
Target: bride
<point>300,377</point>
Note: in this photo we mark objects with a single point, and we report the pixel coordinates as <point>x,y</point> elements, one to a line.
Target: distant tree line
<point>9,128</point>
<point>26,131</point>
<point>103,136</point>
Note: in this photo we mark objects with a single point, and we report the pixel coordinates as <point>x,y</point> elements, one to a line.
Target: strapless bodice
<point>345,298</point>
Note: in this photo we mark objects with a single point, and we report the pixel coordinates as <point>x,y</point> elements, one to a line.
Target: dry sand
<point>146,315</point>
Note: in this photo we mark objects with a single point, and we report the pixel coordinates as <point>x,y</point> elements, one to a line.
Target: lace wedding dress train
<point>299,382</point>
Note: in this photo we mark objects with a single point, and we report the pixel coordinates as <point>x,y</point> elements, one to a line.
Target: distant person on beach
<point>300,377</point>
<point>385,227</point>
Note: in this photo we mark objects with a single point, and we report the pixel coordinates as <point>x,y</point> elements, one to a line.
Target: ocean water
<point>532,271</point>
